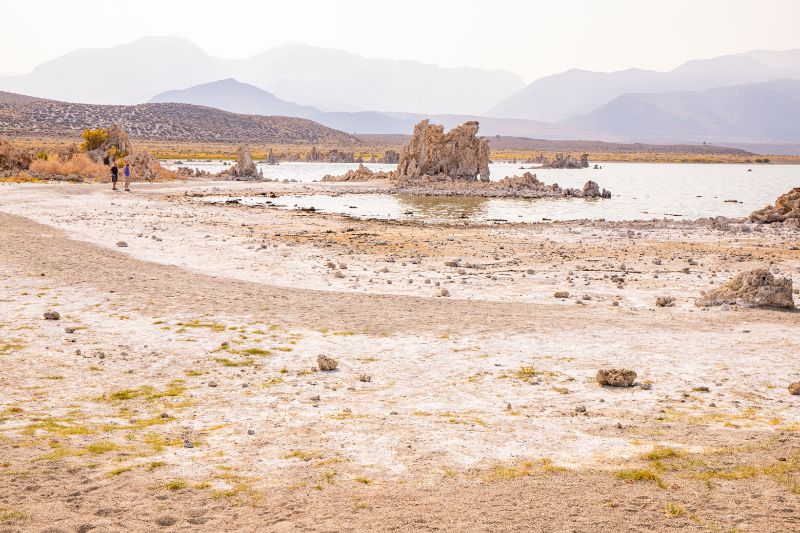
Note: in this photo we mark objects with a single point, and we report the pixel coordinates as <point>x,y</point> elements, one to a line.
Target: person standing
<point>114,177</point>
<point>127,172</point>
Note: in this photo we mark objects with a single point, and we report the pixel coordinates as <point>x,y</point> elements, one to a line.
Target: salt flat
<point>187,388</point>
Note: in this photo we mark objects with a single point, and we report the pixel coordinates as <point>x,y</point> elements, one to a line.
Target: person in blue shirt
<point>127,172</point>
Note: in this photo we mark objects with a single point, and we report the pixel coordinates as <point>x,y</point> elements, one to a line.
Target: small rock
<point>616,377</point>
<point>366,378</point>
<point>338,274</point>
<point>326,363</point>
<point>212,383</point>
<point>251,432</point>
<point>665,301</point>
<point>444,292</point>
<point>646,386</point>
<point>122,244</point>
<point>580,409</point>
<point>70,329</point>
<point>561,294</point>
<point>794,388</point>
<point>187,443</point>
<point>52,315</point>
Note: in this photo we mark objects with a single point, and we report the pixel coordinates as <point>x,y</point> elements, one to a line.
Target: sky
<point>532,38</point>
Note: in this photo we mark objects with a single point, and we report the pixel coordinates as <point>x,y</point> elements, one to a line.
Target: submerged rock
<point>362,173</point>
<point>566,161</point>
<point>786,207</point>
<point>754,288</point>
<point>616,377</point>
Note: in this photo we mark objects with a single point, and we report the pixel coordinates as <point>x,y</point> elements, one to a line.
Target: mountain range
<point>576,92</point>
<point>739,98</point>
<point>237,97</point>
<point>329,79</point>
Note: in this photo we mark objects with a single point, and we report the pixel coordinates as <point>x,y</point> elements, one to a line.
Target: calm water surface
<point>640,191</point>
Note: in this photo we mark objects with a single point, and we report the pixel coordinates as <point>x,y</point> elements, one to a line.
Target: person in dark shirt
<point>114,177</point>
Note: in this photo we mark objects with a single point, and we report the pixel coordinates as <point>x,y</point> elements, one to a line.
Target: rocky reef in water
<point>525,186</point>
<point>456,163</point>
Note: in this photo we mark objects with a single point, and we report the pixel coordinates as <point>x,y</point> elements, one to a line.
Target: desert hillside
<point>23,116</point>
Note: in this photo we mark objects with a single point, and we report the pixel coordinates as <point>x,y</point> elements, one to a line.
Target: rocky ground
<point>179,386</point>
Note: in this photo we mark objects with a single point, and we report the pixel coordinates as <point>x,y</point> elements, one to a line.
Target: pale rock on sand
<point>665,301</point>
<point>794,388</point>
<point>754,288</point>
<point>616,377</point>
<point>326,363</point>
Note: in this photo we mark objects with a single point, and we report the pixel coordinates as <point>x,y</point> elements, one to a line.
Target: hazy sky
<point>530,37</point>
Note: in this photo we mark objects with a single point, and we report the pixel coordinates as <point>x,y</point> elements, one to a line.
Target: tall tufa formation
<point>245,168</point>
<point>458,154</point>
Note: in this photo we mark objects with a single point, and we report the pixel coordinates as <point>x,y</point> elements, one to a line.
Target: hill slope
<point>760,112</point>
<point>580,91</point>
<point>236,97</point>
<point>22,116</point>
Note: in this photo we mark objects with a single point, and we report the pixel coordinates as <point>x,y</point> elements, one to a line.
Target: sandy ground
<point>185,395</point>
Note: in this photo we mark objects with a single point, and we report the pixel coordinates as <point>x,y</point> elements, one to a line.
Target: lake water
<point>640,191</point>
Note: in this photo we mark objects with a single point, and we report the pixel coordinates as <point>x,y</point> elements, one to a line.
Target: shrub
<point>93,139</point>
<point>80,165</point>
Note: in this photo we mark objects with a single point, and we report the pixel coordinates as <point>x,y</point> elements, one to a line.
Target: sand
<point>185,399</point>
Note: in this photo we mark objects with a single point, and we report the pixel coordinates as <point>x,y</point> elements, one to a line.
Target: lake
<point>640,191</point>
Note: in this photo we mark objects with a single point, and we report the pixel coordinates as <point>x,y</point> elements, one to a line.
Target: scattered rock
<point>71,329</point>
<point>187,443</point>
<point>366,378</point>
<point>616,377</point>
<point>794,388</point>
<point>122,244</point>
<point>212,383</point>
<point>51,315</point>
<point>326,363</point>
<point>754,288</point>
<point>665,301</point>
<point>251,432</point>
<point>444,292</point>
<point>561,294</point>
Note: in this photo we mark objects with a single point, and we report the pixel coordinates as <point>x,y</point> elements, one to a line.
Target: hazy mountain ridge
<point>232,95</point>
<point>325,78</point>
<point>576,92</point>
<point>22,116</point>
<point>758,112</point>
